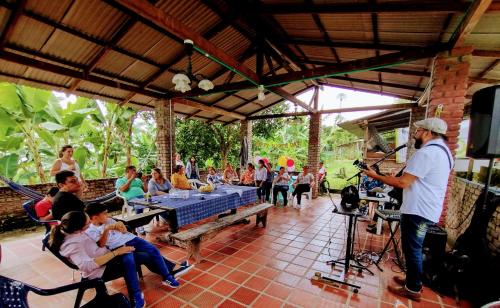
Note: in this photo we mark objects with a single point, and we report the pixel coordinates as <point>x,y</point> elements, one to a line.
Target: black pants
<point>283,190</point>
<point>260,189</point>
<point>267,189</point>
<point>301,188</point>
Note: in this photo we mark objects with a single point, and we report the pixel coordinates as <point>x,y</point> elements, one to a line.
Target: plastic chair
<point>126,209</point>
<point>14,293</point>
<point>29,208</point>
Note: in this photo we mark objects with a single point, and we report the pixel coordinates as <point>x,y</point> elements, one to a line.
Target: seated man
<point>66,200</point>
<point>248,177</point>
<point>213,177</point>
<point>44,206</point>
<point>322,178</point>
<point>130,186</point>
<point>107,232</point>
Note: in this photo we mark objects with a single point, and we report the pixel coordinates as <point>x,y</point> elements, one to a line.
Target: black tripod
<point>347,260</point>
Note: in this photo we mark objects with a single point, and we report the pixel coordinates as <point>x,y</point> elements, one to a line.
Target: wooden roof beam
<point>356,65</point>
<point>211,109</point>
<point>336,110</point>
<point>379,83</point>
<point>172,25</point>
<point>348,44</point>
<point>474,12</point>
<point>353,8</point>
<point>14,16</point>
<point>486,53</point>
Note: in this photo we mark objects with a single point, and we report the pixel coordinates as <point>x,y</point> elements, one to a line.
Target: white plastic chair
<point>193,184</point>
<point>126,209</point>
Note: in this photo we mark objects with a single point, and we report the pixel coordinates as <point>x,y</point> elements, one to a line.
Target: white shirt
<point>260,174</point>
<point>306,179</point>
<point>426,194</point>
<point>65,166</point>
<point>322,170</point>
<point>115,238</point>
<point>282,180</point>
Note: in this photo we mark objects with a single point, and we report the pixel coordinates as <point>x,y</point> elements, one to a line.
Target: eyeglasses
<point>72,181</point>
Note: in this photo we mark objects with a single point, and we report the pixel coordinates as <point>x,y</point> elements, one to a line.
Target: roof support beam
<point>181,30</point>
<point>474,12</point>
<point>486,53</point>
<point>489,68</point>
<point>355,65</point>
<point>484,80</point>
<point>352,8</point>
<point>11,22</point>
<point>347,44</point>
<point>336,110</point>
<point>211,109</point>
<point>380,83</point>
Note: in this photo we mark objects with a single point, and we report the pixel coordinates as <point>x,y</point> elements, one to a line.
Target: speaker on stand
<point>484,128</point>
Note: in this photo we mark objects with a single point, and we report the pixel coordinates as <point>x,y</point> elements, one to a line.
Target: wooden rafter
<point>336,110</point>
<point>484,80</point>
<point>379,83</point>
<point>211,109</point>
<point>486,53</point>
<point>172,25</point>
<point>14,16</point>
<point>474,12</point>
<point>490,68</point>
<point>352,8</point>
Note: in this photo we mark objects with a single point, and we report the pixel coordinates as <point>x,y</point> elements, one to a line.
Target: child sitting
<point>107,232</point>
<point>44,206</point>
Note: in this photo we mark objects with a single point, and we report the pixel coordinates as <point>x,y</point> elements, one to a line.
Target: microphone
<point>400,147</point>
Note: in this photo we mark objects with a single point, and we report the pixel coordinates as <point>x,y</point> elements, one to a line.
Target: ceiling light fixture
<point>183,79</point>
<point>261,96</point>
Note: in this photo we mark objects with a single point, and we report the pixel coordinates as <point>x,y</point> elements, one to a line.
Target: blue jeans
<point>127,264</point>
<point>413,230</point>
<point>147,254</point>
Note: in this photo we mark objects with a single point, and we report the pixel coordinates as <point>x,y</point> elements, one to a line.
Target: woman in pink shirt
<point>70,239</point>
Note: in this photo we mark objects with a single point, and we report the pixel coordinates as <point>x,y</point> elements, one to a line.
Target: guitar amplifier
<point>435,242</point>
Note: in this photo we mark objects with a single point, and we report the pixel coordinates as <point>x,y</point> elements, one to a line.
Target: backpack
<point>350,198</point>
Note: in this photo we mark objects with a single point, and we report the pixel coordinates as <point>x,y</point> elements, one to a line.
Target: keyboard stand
<point>394,244</point>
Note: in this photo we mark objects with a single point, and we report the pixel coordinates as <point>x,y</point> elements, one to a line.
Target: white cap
<point>433,124</point>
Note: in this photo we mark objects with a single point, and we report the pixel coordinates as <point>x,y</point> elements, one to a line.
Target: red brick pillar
<point>246,134</point>
<point>314,148</point>
<point>165,136</point>
<point>448,88</point>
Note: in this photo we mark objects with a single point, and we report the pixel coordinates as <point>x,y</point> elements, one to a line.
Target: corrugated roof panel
<point>70,48</point>
<point>164,51</point>
<point>12,68</point>
<point>357,36</point>
<point>142,99</point>
<point>408,38</point>
<point>226,119</point>
<point>115,62</point>
<point>94,17</point>
<point>347,22</point>
<point>89,86</point>
<point>299,25</point>
<point>54,9</point>
<point>205,114</point>
<point>231,42</point>
<point>198,16</point>
<point>114,92</point>
<point>184,109</point>
<point>4,17</point>
<point>138,71</point>
<point>415,22</point>
<point>164,81</point>
<point>349,54</point>
<point>33,73</point>
<point>318,53</point>
<point>30,33</point>
<point>229,102</point>
<point>486,41</point>
<point>141,38</point>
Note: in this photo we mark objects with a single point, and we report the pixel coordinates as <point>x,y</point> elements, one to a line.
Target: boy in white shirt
<point>107,232</point>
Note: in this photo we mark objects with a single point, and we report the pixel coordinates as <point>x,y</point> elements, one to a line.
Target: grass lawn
<point>333,169</point>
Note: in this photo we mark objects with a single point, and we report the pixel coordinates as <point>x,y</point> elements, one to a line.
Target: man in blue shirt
<point>130,186</point>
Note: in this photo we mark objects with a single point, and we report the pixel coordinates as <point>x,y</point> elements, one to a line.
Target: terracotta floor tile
<point>323,303</point>
<point>311,286</point>
<point>257,283</point>
<point>296,269</point>
<point>268,273</point>
<point>188,292</point>
<point>278,290</point>
<point>288,279</point>
<point>204,265</point>
<point>207,299</point>
<point>191,274</point>
<point>249,267</point>
<point>168,302</point>
<point>230,304</point>
<point>152,295</point>
<point>216,257</point>
<point>303,299</point>
<point>277,264</point>
<point>335,294</point>
<point>220,270</point>
<point>224,287</point>
<point>232,262</point>
<point>425,304</point>
<point>265,301</point>
<point>357,300</point>
<point>237,276</point>
<point>205,280</point>
<point>245,295</point>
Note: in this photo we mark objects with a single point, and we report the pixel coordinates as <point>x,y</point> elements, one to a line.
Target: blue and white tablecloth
<point>202,205</point>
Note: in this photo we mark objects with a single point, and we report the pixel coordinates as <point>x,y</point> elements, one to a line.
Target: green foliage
<point>265,128</point>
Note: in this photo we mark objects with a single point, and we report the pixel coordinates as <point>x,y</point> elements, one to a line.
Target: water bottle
<point>148,197</point>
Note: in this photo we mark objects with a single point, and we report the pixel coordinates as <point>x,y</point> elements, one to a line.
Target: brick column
<point>417,114</point>
<point>165,136</point>
<point>246,134</point>
<point>448,88</point>
<point>314,148</point>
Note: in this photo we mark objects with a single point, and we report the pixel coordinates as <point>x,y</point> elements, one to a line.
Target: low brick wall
<point>12,215</point>
<point>462,198</point>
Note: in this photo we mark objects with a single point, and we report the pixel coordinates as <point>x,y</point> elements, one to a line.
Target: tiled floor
<point>244,266</point>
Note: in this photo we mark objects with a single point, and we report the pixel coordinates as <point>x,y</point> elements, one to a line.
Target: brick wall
<point>12,215</point>
<point>463,195</point>
<point>448,89</point>
<point>314,148</point>
<point>165,135</point>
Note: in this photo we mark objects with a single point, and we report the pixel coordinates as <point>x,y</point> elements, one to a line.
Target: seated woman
<point>179,179</point>
<point>229,174</point>
<point>158,185</point>
<point>281,185</point>
<point>93,261</point>
<point>303,184</point>
<point>213,177</point>
<point>248,177</point>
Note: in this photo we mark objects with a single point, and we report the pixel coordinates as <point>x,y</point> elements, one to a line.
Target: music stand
<point>346,261</point>
<point>389,241</point>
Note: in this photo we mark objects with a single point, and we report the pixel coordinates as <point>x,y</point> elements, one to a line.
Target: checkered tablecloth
<point>200,206</point>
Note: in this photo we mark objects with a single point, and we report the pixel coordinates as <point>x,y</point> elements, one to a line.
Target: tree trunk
<point>34,149</point>
<point>105,154</point>
<point>128,147</point>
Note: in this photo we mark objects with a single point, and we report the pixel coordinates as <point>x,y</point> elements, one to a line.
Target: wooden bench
<point>138,220</point>
<point>191,239</point>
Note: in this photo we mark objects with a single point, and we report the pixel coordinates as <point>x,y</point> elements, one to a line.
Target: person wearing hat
<point>424,183</point>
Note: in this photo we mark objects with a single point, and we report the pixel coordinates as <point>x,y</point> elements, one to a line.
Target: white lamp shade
<point>206,85</point>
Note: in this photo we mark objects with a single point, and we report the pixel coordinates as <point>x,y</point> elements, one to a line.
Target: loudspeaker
<point>484,136</point>
<point>435,241</point>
